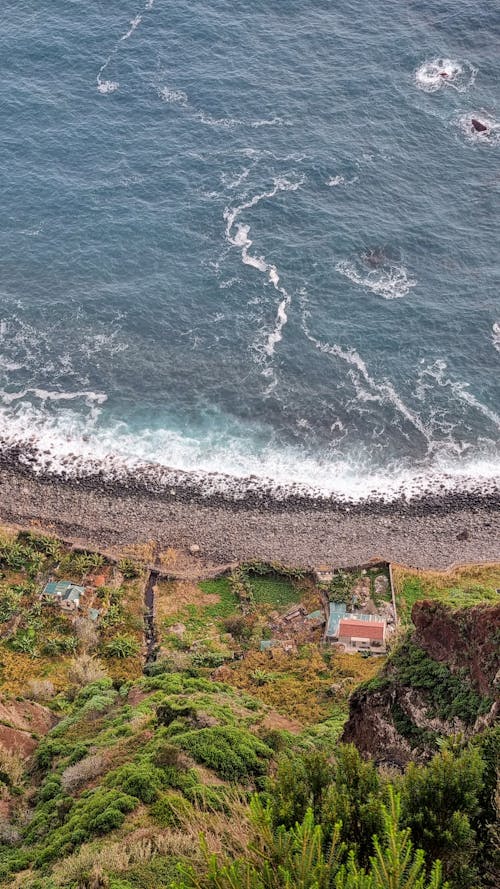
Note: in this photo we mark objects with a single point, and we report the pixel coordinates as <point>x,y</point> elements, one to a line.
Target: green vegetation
<point>273,590</point>
<point>223,741</point>
<point>461,588</point>
<point>227,603</point>
<point>124,764</point>
<point>447,694</point>
<point>235,754</point>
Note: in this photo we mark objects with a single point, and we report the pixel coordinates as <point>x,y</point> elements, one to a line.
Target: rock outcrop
<point>466,639</point>
<point>442,681</point>
<point>22,723</point>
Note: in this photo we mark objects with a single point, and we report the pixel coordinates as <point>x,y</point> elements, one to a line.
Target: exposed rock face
<point>21,724</point>
<point>394,721</point>
<point>466,639</point>
<point>371,728</point>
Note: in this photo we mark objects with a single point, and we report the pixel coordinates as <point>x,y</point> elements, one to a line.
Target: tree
<point>439,803</point>
<point>296,858</point>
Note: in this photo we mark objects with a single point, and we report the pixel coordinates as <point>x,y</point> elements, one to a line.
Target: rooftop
<point>64,589</point>
<point>339,613</point>
<point>359,629</point>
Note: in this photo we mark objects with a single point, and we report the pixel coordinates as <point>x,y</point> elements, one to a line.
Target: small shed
<point>324,574</point>
<point>66,593</point>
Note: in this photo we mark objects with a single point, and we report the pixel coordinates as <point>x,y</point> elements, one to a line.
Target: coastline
<point>431,531</point>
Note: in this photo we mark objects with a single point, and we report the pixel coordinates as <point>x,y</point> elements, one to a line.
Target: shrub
<point>9,604</point>
<point>142,780</point>
<point>169,755</point>
<point>167,712</point>
<point>238,627</point>
<point>11,768</point>
<point>449,694</point>
<point>25,642</point>
<point>82,772</point>
<point>41,689</point>
<point>171,810</point>
<point>121,647</point>
<point>86,669</point>
<point>234,753</point>
<point>41,543</point>
<point>86,633</point>
<point>129,569</point>
<point>96,812</point>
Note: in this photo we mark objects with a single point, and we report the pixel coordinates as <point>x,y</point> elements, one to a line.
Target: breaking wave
<point>375,272</point>
<point>438,74</point>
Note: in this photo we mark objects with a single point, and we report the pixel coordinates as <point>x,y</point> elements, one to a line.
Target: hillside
<point>116,755</point>
<point>442,680</point>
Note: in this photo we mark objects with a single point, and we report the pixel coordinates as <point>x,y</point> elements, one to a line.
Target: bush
<point>129,569</point>
<point>11,768</point>
<point>449,694</point>
<point>25,642</point>
<point>82,772</point>
<point>234,753</point>
<point>86,669</point>
<point>167,712</point>
<point>238,627</point>
<point>96,812</point>
<point>41,689</point>
<point>86,633</point>
<point>9,604</point>
<point>142,780</point>
<point>121,647</point>
<point>171,810</point>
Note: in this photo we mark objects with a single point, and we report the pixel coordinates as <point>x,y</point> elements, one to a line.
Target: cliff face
<point>442,681</point>
<point>466,639</point>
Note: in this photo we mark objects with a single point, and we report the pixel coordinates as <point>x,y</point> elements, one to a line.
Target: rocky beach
<point>426,531</point>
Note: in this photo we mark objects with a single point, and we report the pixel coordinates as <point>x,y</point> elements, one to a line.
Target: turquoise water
<point>253,239</point>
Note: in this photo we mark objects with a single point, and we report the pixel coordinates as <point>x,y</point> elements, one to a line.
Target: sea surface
<point>253,240</point>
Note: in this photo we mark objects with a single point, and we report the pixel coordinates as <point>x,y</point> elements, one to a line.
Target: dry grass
<point>94,861</point>
<point>173,597</point>
<point>299,685</point>
<point>487,575</point>
<point>18,670</point>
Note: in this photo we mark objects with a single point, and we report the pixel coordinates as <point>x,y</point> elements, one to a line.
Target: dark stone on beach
<point>464,535</point>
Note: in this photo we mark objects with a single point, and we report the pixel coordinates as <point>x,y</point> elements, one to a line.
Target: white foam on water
<point>335,181</point>
<point>489,138</point>
<point>73,446</point>
<point>389,281</point>
<point>378,390</point>
<point>107,86</point>
<point>173,96</point>
<point>495,335</point>
<point>134,24</point>
<point>438,74</point>
<point>273,122</point>
<point>104,86</point>
<point>460,391</point>
<point>237,234</point>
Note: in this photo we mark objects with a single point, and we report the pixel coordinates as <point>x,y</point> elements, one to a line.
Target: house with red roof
<point>355,630</point>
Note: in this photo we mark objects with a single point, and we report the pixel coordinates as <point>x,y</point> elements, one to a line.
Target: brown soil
<point>274,720</point>
<point>27,716</point>
<point>175,596</point>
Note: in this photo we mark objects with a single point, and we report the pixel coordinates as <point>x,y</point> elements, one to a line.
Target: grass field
<point>459,588</point>
<point>275,591</point>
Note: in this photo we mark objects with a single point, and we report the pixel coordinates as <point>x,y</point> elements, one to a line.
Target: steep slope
<point>442,680</point>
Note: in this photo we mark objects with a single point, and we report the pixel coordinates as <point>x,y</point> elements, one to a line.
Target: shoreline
<point>428,532</point>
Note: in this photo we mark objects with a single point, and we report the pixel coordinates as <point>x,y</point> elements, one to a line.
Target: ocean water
<point>253,240</point>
